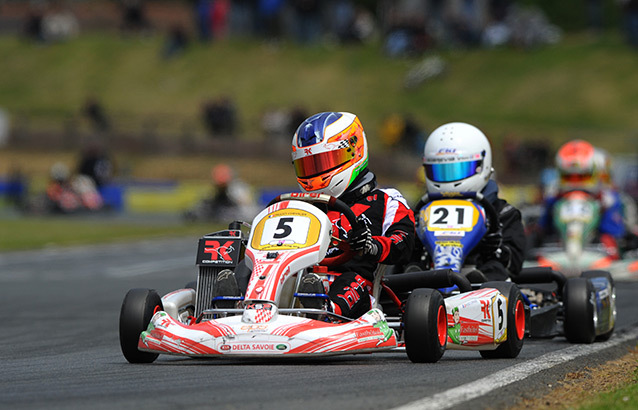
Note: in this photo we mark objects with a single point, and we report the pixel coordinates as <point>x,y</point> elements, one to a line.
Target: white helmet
<point>457,158</point>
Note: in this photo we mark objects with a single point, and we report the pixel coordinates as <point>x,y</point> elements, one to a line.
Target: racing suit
<point>391,223</point>
<point>508,260</point>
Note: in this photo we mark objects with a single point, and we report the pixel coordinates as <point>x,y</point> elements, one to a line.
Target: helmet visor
<point>313,165</point>
<point>453,171</point>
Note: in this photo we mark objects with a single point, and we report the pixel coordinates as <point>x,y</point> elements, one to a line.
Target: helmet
<point>329,150</point>
<point>457,158</point>
<point>221,174</point>
<point>576,165</point>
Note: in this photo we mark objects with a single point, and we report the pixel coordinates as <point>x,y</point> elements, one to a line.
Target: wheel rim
<point>442,326</point>
<point>519,316</point>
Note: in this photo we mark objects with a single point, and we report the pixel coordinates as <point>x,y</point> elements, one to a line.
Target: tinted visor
<point>317,164</point>
<point>454,171</point>
<point>577,178</point>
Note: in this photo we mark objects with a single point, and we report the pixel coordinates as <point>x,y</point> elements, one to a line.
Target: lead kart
<point>582,308</point>
<point>292,236</point>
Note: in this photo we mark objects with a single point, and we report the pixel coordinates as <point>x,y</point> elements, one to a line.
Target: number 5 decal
<point>283,227</point>
<point>501,314</point>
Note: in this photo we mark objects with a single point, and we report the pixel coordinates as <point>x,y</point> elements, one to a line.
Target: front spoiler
<point>284,335</point>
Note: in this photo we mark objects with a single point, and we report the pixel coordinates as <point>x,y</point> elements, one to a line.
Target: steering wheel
<point>332,203</point>
<point>493,221</point>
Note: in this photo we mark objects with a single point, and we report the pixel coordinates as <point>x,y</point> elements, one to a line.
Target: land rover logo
<point>282,347</point>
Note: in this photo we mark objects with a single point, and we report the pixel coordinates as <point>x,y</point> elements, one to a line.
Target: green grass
<point>581,87</point>
<point>36,233</point>
<point>623,398</point>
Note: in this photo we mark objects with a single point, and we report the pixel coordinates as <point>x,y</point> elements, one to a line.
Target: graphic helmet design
<point>329,150</point>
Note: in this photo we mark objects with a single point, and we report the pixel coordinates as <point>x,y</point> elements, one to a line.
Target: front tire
<point>612,308</point>
<point>511,347</point>
<point>138,308</point>
<point>425,326</point>
<point>578,296</point>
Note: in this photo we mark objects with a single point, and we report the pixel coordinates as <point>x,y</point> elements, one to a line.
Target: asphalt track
<point>59,348</point>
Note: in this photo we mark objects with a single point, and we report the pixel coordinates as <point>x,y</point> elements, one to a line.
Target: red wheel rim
<point>520,319</point>
<point>442,326</point>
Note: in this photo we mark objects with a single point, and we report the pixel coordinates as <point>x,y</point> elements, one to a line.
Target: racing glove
<point>361,241</point>
<point>492,247</point>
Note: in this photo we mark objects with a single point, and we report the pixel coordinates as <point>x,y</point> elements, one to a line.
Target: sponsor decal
<point>254,328</point>
<point>449,234</point>
<point>221,251</point>
<point>224,348</point>
<point>255,347</point>
<point>369,334</point>
<point>454,244</point>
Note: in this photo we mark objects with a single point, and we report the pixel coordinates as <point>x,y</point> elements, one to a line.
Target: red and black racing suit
<point>391,223</point>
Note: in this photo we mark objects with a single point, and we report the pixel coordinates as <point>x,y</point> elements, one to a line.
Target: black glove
<point>492,244</point>
<point>492,248</point>
<point>361,241</point>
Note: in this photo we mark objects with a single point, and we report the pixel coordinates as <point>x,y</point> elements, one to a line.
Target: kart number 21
<point>451,217</point>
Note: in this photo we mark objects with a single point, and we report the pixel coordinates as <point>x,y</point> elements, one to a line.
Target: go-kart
<point>576,217</point>
<point>288,238</point>
<point>580,308</point>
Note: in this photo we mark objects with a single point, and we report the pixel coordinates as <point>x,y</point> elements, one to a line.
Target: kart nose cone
<point>259,313</point>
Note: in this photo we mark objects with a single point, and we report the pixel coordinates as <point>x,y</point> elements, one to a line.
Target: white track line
<point>478,388</point>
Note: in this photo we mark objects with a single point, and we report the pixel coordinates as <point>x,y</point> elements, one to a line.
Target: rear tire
<point>511,347</point>
<point>602,273</point>
<point>138,308</point>
<point>578,296</point>
<point>425,326</point>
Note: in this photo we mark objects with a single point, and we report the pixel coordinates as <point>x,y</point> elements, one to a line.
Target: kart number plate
<point>576,211</point>
<point>451,217</point>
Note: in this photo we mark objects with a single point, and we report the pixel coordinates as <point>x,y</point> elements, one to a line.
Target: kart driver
<point>582,167</point>
<point>330,156</point>
<point>458,158</point>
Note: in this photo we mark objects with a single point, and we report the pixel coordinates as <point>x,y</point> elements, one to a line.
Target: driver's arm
<point>396,235</point>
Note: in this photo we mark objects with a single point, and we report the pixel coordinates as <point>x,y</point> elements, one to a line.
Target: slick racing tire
<point>425,326</point>
<point>578,298</point>
<point>138,308</point>
<point>512,346</point>
<point>604,274</point>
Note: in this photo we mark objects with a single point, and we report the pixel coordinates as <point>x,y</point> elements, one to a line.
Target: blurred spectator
<point>17,188</point>
<point>220,117</point>
<point>94,112</point>
<point>201,15</point>
<point>96,164</point>
<point>403,132</point>
<point>274,124</point>
<point>176,42</point>
<point>133,16</point>
<point>59,24</point>
<point>630,12</point>
<point>594,15</point>
<point>33,25</point>
<point>219,17</point>
<point>243,14</point>
<point>269,19</point>
<point>306,20</point>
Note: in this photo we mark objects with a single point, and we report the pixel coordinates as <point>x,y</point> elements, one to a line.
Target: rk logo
<point>218,251</point>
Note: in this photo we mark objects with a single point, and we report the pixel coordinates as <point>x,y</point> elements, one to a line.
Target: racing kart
<point>580,308</point>
<point>576,218</point>
<point>289,237</point>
